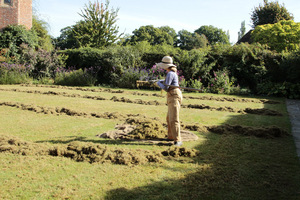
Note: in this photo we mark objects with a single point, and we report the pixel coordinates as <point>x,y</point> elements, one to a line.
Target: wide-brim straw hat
<point>166,63</point>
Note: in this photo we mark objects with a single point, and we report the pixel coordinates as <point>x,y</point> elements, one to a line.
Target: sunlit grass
<point>228,167</point>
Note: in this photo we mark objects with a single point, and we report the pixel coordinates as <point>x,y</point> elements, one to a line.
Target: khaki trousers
<point>174,100</point>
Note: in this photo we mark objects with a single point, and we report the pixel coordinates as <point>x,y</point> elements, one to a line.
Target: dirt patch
<point>143,129</point>
<point>136,101</point>
<point>232,99</point>
<point>90,152</point>
<point>212,98</point>
<point>261,132</point>
<point>181,152</point>
<point>146,129</point>
<point>93,153</point>
<point>262,111</point>
<point>206,107</point>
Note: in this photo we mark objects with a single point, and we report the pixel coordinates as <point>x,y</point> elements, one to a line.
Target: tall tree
<point>270,13</point>
<point>214,35</point>
<point>97,29</point>
<point>242,31</point>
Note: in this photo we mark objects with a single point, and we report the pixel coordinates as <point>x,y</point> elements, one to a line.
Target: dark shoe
<point>178,144</point>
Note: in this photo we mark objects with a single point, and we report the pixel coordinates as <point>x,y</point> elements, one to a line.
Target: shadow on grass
<point>231,167</point>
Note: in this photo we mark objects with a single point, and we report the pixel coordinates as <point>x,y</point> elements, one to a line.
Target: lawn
<point>229,165</point>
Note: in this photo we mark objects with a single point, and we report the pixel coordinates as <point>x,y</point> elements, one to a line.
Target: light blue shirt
<point>171,79</point>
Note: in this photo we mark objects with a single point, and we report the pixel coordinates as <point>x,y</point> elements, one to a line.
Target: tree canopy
<point>269,13</point>
<point>153,35</point>
<point>214,35</point>
<point>97,29</point>
<point>188,40</point>
<point>284,35</point>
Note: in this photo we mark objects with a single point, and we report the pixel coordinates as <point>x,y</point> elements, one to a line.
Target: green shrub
<point>195,83</point>
<point>75,78</point>
<point>192,62</point>
<point>220,83</point>
<point>14,73</point>
<point>44,63</point>
<point>289,68</point>
<point>285,89</point>
<point>129,77</point>
<point>12,36</point>
<point>250,64</point>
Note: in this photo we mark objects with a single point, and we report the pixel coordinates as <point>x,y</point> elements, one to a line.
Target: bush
<point>79,77</point>
<point>12,36</point>
<point>14,73</point>
<point>192,62</point>
<point>249,64</point>
<point>289,68</point>
<point>129,77</point>
<point>285,89</point>
<point>220,83</point>
<point>44,63</point>
<point>195,83</point>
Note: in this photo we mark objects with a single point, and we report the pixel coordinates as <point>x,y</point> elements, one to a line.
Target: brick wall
<point>25,13</point>
<point>19,12</point>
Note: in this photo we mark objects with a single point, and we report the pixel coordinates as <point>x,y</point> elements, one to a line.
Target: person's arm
<point>168,81</point>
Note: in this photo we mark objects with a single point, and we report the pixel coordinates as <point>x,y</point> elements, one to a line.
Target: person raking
<point>174,98</point>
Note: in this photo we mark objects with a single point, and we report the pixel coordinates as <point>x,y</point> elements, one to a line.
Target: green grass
<point>228,167</point>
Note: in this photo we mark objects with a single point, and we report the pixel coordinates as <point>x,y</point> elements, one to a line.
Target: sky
<point>177,14</point>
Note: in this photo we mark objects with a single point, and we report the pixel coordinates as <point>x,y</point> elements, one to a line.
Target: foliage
<point>129,77</point>
<point>188,40</point>
<point>67,39</point>
<point>285,89</point>
<point>289,68</point>
<point>44,39</point>
<point>195,83</point>
<point>97,29</point>
<point>220,83</point>
<point>214,35</point>
<point>43,62</point>
<point>12,36</point>
<point>281,36</point>
<point>250,64</point>
<point>155,36</point>
<point>14,73</point>
<point>269,13</point>
<point>156,73</point>
<point>192,62</point>
<point>242,31</point>
<point>79,77</point>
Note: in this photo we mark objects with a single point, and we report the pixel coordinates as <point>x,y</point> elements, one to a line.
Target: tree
<point>170,31</point>
<point>67,39</point>
<point>97,29</point>
<point>214,35</point>
<point>242,31</point>
<point>284,35</point>
<point>153,35</point>
<point>44,39</point>
<point>188,40</point>
<point>99,24</point>
<point>269,13</point>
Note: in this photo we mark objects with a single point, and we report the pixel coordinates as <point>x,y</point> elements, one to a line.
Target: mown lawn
<point>229,166</point>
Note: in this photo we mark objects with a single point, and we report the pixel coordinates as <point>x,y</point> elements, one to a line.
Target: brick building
<point>15,12</point>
